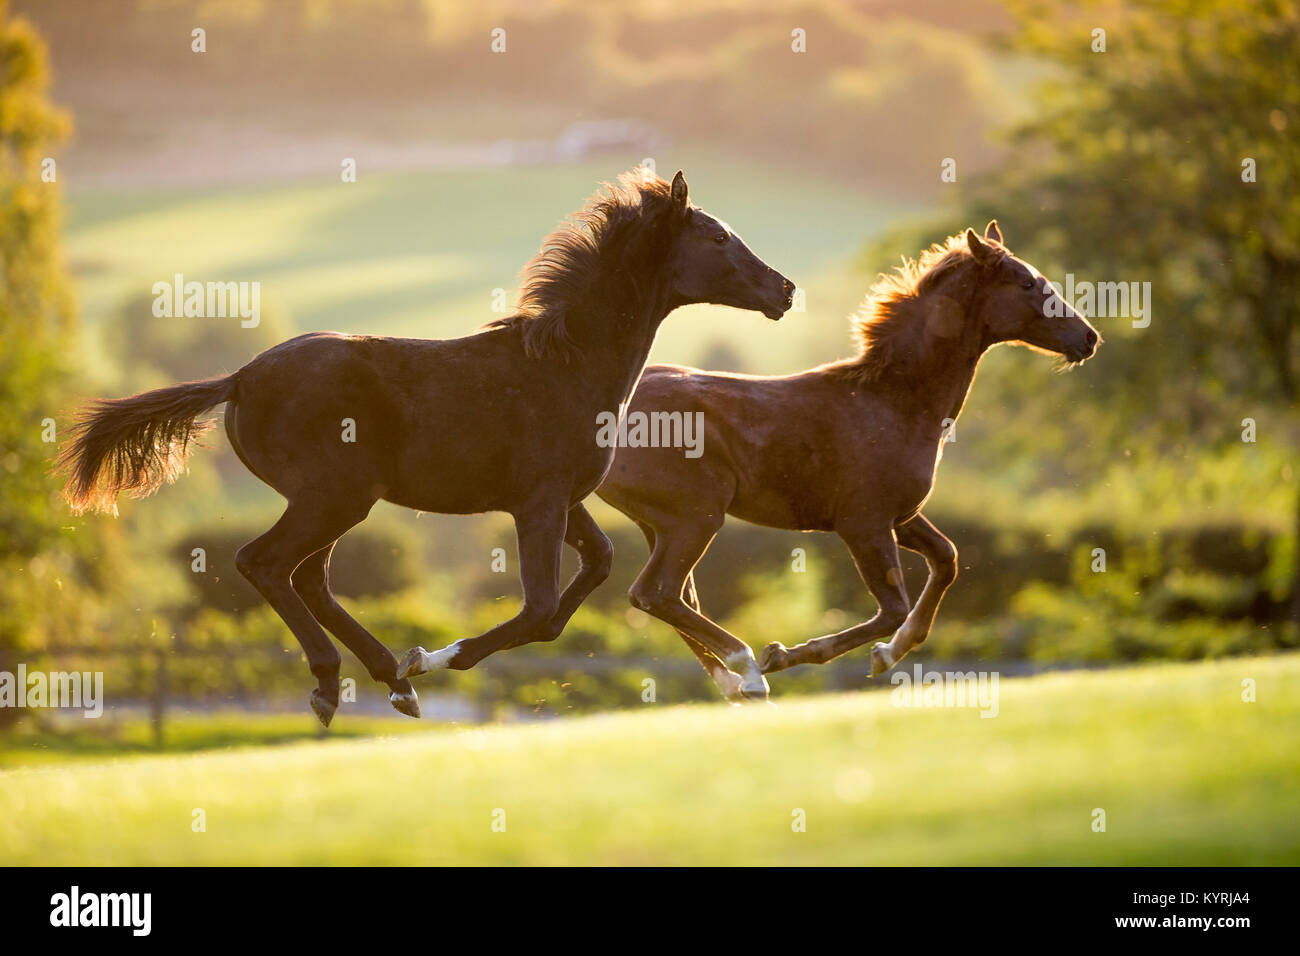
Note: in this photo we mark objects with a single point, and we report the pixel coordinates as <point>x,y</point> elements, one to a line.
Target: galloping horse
<point>850,447</point>
<point>501,420</point>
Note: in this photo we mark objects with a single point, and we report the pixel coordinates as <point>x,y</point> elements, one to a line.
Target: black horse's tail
<point>136,444</point>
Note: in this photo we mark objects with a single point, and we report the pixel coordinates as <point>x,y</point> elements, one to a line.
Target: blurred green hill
<point>862,100</point>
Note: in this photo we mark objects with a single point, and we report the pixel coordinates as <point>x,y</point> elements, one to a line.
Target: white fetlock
<point>909,635</point>
<point>753,685</point>
<point>440,659</point>
<point>882,659</point>
<point>419,661</point>
<point>729,683</point>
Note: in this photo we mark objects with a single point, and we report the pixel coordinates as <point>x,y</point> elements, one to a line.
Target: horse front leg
<point>875,552</point>
<point>596,559</point>
<point>541,536</point>
<point>940,555</point>
<point>660,590</point>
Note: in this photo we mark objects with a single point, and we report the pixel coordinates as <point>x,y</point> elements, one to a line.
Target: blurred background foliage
<point>1123,165</point>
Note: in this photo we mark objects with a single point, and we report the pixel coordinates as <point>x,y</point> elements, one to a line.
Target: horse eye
<point>1027,284</point>
<point>721,238</point>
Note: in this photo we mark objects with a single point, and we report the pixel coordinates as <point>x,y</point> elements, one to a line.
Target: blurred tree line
<point>845,87</point>
<point>1164,150</point>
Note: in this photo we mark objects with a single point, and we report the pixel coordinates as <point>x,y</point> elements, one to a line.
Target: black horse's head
<point>709,262</point>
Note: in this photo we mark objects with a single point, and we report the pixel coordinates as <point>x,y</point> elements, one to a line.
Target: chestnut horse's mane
<point>578,253</point>
<point>887,327</point>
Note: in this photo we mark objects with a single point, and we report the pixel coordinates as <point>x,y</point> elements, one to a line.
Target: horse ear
<point>991,231</point>
<point>680,191</point>
<point>981,252</point>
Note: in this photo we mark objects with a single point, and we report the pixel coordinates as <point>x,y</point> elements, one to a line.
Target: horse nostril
<point>1091,338</point>
<point>787,286</point>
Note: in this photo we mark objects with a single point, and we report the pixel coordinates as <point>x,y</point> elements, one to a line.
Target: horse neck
<point>934,380</point>
<point>614,336</point>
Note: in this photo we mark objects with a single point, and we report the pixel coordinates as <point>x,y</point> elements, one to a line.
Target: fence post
<point>159,703</point>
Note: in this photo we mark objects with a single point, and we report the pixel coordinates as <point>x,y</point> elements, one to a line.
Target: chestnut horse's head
<point>1016,304</point>
<point>710,263</point>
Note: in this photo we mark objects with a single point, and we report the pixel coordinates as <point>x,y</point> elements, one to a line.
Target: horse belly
<point>451,477</point>
<point>790,512</point>
<point>490,473</point>
<point>785,484</point>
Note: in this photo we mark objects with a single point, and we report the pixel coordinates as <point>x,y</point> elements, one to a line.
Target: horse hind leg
<point>268,563</point>
<point>311,581</point>
<point>728,681</point>
<point>658,591</point>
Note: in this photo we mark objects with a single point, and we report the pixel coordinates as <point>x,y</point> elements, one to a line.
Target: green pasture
<point>1185,770</point>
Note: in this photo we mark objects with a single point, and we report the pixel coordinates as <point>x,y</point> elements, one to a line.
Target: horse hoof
<point>412,663</point>
<point>324,709</point>
<point>755,692</point>
<point>774,657</point>
<point>755,698</point>
<point>881,659</point>
<point>407,703</point>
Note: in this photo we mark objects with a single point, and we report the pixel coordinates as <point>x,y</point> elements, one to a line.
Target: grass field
<point>75,739</point>
<point>1185,770</point>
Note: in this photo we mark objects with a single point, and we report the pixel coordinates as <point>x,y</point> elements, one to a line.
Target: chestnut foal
<point>850,447</point>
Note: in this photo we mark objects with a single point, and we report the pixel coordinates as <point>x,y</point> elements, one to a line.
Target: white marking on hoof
<point>882,659</point>
<point>728,682</point>
<point>753,685</point>
<point>408,704</point>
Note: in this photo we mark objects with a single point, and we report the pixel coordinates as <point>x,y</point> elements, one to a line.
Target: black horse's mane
<point>579,253</point>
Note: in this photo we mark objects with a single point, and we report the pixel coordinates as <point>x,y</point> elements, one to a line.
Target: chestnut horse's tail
<point>136,444</point>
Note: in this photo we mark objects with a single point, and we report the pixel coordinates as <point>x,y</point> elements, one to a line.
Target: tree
<point>35,303</point>
<point>1170,152</point>
<point>42,563</point>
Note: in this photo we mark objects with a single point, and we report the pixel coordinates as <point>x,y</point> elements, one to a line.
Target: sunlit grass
<point>1184,769</point>
<point>79,739</point>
